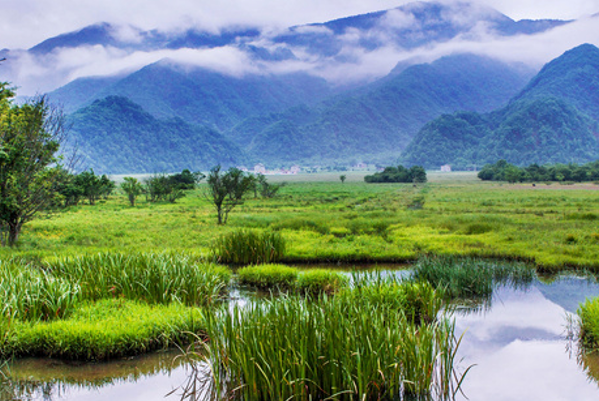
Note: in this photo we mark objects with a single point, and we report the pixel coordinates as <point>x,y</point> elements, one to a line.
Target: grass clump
<point>319,281</point>
<point>153,278</point>
<point>468,277</point>
<point>30,293</point>
<point>268,277</point>
<point>243,247</point>
<point>589,323</point>
<point>331,348</point>
<point>105,329</point>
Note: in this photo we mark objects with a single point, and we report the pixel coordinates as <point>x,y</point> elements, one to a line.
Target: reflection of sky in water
<point>520,347</point>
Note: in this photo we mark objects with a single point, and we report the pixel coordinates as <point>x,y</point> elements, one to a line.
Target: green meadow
<point>553,226</point>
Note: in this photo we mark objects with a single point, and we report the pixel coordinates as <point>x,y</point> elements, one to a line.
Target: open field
<point>553,226</point>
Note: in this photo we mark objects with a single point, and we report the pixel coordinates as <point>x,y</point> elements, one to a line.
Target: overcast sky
<point>24,23</point>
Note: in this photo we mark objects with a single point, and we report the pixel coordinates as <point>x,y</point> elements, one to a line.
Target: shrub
<point>243,247</point>
<point>267,277</point>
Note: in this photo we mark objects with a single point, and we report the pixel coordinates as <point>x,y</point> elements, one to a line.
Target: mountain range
<point>365,88</point>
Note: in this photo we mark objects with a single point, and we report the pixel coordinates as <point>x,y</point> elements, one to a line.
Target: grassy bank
<point>553,226</point>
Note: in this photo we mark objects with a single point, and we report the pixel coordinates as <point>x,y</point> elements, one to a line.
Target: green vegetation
<point>318,281</point>
<point>30,135</point>
<point>105,329</point>
<point>504,171</point>
<point>244,247</point>
<point>589,323</point>
<point>153,278</point>
<point>299,348</point>
<point>398,174</point>
<point>268,277</point>
<point>467,278</point>
<point>553,120</point>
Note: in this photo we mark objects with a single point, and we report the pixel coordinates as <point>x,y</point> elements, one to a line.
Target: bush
<point>244,247</point>
<point>268,277</point>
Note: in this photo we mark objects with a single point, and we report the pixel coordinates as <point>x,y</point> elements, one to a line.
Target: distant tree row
<point>398,174</point>
<point>504,171</point>
<point>72,188</point>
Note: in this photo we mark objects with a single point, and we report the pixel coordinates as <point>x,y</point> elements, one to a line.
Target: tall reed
<point>30,293</point>
<point>154,278</point>
<point>333,348</point>
<point>244,247</point>
<point>468,277</point>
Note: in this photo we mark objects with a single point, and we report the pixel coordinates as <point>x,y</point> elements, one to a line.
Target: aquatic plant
<point>30,293</point>
<point>268,277</point>
<point>469,277</point>
<point>151,277</point>
<point>331,348</point>
<point>243,247</point>
<point>319,281</point>
<point>589,323</point>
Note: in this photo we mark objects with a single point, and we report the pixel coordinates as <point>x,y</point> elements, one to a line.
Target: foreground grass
<point>589,323</point>
<point>553,226</point>
<point>101,330</point>
<point>334,348</point>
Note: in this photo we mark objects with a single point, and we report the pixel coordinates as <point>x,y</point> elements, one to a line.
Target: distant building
<point>259,169</point>
<point>446,168</point>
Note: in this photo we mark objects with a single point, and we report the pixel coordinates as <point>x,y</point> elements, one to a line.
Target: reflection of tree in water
<point>590,363</point>
<point>48,379</point>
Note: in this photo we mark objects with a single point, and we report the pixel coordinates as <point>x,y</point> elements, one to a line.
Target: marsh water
<point>519,342</point>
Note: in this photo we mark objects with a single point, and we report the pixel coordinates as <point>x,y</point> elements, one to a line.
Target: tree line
<point>400,173</point>
<point>504,171</point>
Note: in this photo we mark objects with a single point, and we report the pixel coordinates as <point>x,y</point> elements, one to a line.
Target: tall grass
<point>468,277</point>
<point>320,281</point>
<point>589,323</point>
<point>154,278</point>
<point>104,329</point>
<point>268,277</point>
<point>30,293</point>
<point>297,348</point>
<point>244,247</point>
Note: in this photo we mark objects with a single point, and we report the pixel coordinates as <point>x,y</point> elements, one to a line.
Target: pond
<point>519,344</point>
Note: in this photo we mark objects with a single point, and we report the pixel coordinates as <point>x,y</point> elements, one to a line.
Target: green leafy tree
<point>30,136</point>
<point>342,177</point>
<point>226,190</point>
<point>132,188</point>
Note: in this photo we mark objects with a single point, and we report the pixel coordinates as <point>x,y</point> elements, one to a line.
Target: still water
<point>519,344</point>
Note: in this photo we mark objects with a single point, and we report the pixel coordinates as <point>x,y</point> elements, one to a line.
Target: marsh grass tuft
<point>468,277</point>
<point>151,277</point>
<point>244,247</point>
<point>320,281</point>
<point>330,348</point>
<point>268,277</point>
<point>588,313</point>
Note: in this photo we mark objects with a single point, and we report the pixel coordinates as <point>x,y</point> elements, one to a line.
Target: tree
<point>342,177</point>
<point>226,190</point>
<point>30,136</point>
<point>132,188</point>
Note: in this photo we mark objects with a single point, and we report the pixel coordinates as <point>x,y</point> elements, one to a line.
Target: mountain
<point>116,136</point>
<point>379,120</point>
<point>196,95</point>
<point>554,119</point>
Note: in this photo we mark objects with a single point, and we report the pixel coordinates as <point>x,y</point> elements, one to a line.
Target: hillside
<point>380,120</point>
<point>554,119</point>
<point>116,136</point>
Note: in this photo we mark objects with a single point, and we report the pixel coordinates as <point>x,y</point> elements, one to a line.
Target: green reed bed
<point>154,278</point>
<point>319,281</point>
<point>468,277</point>
<point>331,348</point>
<point>243,247</point>
<point>30,293</point>
<point>268,277</point>
<point>589,323</point>
<point>104,329</point>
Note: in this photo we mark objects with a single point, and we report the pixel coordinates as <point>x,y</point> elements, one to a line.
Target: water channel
<point>519,343</point>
